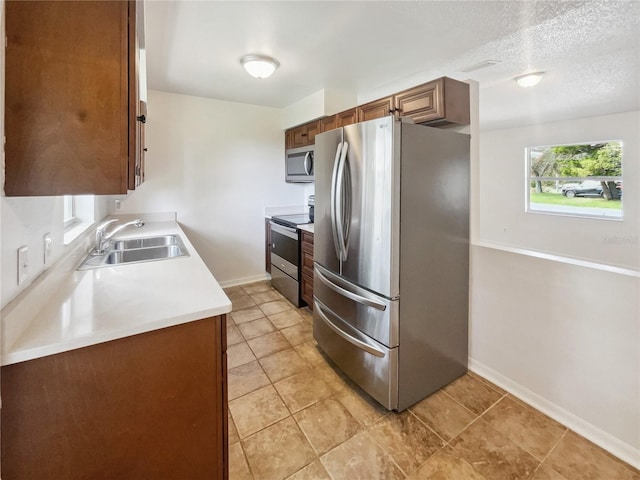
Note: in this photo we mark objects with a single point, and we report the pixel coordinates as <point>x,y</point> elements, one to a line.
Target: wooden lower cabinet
<point>148,406</point>
<point>267,245</point>
<point>306,280</point>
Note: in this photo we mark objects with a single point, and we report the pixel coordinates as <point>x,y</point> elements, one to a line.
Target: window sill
<point>74,231</point>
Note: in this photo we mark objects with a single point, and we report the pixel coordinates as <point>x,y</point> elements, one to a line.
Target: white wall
<point>217,164</point>
<point>502,193</point>
<point>563,335</point>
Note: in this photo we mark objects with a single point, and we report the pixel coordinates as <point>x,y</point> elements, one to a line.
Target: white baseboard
<point>242,281</point>
<point>625,452</point>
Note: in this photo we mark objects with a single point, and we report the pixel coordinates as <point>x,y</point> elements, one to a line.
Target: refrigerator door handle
<point>342,229</point>
<point>346,293</point>
<point>334,225</point>
<point>361,344</point>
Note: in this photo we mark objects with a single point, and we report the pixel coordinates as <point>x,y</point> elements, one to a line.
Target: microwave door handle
<point>333,201</point>
<point>308,163</point>
<point>339,203</point>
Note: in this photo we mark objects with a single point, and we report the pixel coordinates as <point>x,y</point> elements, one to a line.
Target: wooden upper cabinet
<point>347,117</point>
<point>376,109</point>
<point>329,123</point>
<point>302,135</point>
<point>439,102</point>
<point>71,98</point>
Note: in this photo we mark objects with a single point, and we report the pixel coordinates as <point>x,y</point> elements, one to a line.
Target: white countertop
<point>308,227</point>
<point>103,304</point>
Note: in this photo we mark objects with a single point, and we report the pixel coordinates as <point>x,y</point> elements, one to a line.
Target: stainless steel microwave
<point>299,165</point>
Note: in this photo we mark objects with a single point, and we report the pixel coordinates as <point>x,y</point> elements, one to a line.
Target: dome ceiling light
<point>259,66</point>
<point>529,79</point>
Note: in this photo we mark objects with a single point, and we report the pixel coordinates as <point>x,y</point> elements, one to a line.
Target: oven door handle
<point>286,231</point>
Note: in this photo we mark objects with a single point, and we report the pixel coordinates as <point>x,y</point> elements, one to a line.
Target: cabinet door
<point>299,136</point>
<point>440,102</point>
<point>347,117</point>
<point>306,289</point>
<point>67,127</point>
<point>376,109</point>
<point>313,129</point>
<point>329,123</point>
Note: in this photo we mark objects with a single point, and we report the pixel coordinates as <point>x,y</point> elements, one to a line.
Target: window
<point>69,211</point>
<point>79,212</point>
<point>577,180</point>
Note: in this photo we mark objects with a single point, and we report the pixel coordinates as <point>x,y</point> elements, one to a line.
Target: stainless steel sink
<point>137,250</point>
<point>146,242</point>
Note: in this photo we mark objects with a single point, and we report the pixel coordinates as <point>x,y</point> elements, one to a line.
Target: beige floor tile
<point>301,390</point>
<point>313,471</point>
<point>245,378</point>
<point>246,315</point>
<point>242,301</point>
<point>492,454</point>
<point>233,335</point>
<point>273,308</point>
<point>472,393</point>
<point>264,297</point>
<point>257,287</point>
<point>546,473</point>
<point>278,451</point>
<point>529,429</point>
<point>578,459</point>
<point>285,319</point>
<point>268,344</point>
<point>487,382</point>
<point>327,424</point>
<point>233,432</point>
<point>360,458</point>
<point>443,414</point>
<point>335,379</point>
<point>238,467</point>
<point>310,352</point>
<point>446,465</point>
<point>234,292</point>
<point>283,364</point>
<point>361,406</point>
<point>256,328</point>
<point>406,439</point>
<point>257,410</point>
<point>239,354</point>
<point>298,334</point>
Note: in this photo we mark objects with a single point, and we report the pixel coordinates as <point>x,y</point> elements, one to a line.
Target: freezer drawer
<point>368,363</point>
<point>367,312</point>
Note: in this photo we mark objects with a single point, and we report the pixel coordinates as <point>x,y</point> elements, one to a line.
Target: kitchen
<point>536,329</point>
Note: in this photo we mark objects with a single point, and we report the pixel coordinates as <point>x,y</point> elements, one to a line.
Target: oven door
<point>285,251</point>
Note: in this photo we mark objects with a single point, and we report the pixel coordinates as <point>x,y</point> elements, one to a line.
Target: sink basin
<point>143,254</point>
<point>146,242</point>
<point>137,250</point>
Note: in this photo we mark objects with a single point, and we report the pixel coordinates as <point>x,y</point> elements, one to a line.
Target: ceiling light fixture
<point>529,79</point>
<point>259,66</point>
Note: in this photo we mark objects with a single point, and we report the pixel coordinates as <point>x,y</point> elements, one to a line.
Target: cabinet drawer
<point>306,289</point>
<point>307,262</point>
<point>307,237</point>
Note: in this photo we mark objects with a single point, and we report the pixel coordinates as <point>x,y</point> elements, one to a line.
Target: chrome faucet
<point>102,238</point>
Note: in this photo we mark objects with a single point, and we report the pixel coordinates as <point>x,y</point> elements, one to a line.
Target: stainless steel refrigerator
<point>391,251</point>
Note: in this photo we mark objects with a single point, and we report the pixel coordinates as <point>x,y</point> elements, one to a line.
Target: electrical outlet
<point>47,244</point>
<point>23,264</point>
<point>118,204</point>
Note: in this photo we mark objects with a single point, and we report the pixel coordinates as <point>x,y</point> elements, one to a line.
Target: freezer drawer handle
<point>349,338</point>
<point>346,293</point>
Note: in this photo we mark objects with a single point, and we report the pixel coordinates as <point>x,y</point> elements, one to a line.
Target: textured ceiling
<point>590,51</point>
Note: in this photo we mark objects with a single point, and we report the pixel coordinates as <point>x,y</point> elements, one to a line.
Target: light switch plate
<point>47,243</point>
<point>23,264</point>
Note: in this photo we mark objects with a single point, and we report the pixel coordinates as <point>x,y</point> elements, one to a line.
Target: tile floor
<point>292,416</point>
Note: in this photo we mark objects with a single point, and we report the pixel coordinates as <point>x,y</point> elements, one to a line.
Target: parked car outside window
<point>588,188</point>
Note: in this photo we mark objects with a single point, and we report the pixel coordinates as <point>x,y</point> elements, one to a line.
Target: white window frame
<point>78,216</point>
<point>529,179</point>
